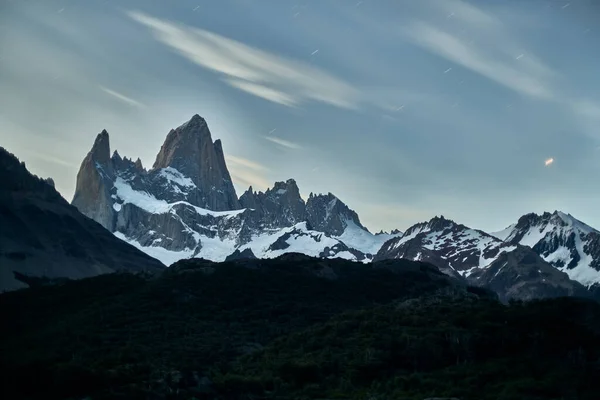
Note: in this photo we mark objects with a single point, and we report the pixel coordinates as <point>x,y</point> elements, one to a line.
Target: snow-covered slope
<point>454,248</point>
<point>561,240</point>
<point>514,271</point>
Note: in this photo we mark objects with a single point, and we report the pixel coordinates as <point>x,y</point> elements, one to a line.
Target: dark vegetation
<point>293,328</point>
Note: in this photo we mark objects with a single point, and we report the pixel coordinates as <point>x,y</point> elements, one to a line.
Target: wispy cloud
<point>266,75</point>
<point>122,97</point>
<point>284,143</point>
<point>488,59</point>
<point>263,91</point>
<point>491,49</point>
<point>246,172</point>
<point>246,178</point>
<point>244,162</point>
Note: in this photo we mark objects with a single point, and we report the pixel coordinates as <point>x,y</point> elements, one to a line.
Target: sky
<point>403,109</point>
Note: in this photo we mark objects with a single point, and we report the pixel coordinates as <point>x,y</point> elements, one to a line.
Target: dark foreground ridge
<point>43,237</point>
<point>293,328</point>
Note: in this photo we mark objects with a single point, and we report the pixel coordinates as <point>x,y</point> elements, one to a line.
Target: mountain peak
<point>197,119</point>
<point>190,150</point>
<point>101,149</point>
<point>184,147</point>
<point>556,217</point>
<point>441,222</point>
<point>138,164</point>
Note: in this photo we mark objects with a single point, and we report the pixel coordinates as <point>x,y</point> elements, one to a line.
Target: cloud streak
<point>283,143</point>
<point>122,97</point>
<point>244,162</point>
<point>263,74</point>
<point>247,172</point>
<point>264,92</point>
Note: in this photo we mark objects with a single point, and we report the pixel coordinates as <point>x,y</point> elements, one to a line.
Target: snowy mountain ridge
<point>186,206</point>
<point>561,240</point>
<point>511,269</point>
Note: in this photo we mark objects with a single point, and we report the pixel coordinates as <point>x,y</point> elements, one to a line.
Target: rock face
<point>186,206</point>
<point>190,150</point>
<point>42,236</point>
<point>94,182</point>
<point>511,270</point>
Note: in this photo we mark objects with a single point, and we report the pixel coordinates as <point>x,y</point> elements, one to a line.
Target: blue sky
<point>403,109</point>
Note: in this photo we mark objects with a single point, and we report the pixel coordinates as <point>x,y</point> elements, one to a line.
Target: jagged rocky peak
<point>556,219</point>
<point>190,150</point>
<point>94,182</point>
<point>327,213</point>
<point>101,149</point>
<point>278,207</point>
<point>249,199</point>
<point>139,166</point>
<point>288,189</point>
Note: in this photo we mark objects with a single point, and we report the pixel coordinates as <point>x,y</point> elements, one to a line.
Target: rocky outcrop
<point>42,236</point>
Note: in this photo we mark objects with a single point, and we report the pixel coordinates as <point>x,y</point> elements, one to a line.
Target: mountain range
<point>186,206</point>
